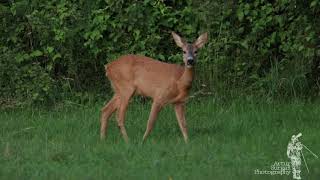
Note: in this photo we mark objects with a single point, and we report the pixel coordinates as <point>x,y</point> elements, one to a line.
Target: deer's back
<point>149,77</point>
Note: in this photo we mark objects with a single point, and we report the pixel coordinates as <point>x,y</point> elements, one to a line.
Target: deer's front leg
<point>180,113</point>
<point>155,109</point>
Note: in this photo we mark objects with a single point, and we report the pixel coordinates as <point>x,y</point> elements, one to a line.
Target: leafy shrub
<point>51,50</point>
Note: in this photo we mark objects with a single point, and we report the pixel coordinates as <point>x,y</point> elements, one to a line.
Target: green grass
<point>227,141</point>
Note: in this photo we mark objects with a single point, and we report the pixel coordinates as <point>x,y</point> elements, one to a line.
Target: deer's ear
<point>179,41</point>
<point>202,39</point>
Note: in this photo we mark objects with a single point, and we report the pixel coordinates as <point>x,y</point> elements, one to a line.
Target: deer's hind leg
<point>125,96</point>
<point>106,112</point>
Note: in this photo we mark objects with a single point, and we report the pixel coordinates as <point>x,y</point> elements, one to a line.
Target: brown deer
<point>165,83</point>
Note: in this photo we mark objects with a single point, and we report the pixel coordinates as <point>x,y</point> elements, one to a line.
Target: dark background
<point>54,50</point>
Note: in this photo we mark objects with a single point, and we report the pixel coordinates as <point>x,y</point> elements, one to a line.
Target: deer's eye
<point>195,52</point>
<point>184,52</point>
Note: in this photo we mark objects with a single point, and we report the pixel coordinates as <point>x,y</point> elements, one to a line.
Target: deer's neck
<point>187,77</point>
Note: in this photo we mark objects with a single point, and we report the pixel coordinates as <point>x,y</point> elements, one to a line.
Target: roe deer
<point>165,83</point>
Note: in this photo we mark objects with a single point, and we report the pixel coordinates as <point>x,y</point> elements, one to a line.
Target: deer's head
<point>190,49</point>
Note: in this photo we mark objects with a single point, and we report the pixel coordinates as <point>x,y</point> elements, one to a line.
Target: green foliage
<point>266,47</point>
<point>55,49</point>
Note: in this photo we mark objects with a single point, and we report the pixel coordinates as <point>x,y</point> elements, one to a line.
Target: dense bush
<point>51,50</point>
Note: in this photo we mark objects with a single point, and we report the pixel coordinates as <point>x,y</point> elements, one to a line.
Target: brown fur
<point>163,82</point>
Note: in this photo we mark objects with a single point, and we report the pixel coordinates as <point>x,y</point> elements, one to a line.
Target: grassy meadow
<point>227,141</point>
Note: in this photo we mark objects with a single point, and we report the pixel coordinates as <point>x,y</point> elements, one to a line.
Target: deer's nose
<point>190,60</point>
